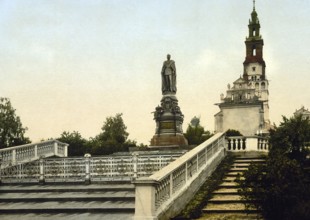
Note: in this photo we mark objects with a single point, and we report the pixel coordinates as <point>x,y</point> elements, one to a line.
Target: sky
<point>67,65</point>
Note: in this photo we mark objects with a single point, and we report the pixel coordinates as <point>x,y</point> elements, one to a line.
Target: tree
<point>11,129</point>
<point>113,137</point>
<point>232,133</point>
<point>291,138</point>
<point>114,129</point>
<point>281,186</point>
<point>77,144</point>
<point>195,133</point>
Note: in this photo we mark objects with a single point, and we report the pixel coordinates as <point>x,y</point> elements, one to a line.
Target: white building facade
<point>246,105</point>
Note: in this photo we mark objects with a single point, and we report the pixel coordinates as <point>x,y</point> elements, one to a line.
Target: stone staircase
<point>67,201</point>
<point>226,203</point>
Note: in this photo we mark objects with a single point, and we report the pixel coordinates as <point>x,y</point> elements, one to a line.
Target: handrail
<point>88,169</point>
<point>156,194</point>
<point>247,143</point>
<point>29,152</point>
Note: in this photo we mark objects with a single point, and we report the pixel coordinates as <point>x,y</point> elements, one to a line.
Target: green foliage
<point>233,133</point>
<point>114,130</point>
<point>195,133</point>
<point>291,138</point>
<point>194,207</point>
<point>77,144</point>
<point>11,129</point>
<point>280,186</point>
<point>113,137</point>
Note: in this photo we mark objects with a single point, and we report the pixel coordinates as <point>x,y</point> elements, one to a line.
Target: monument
<point>168,115</point>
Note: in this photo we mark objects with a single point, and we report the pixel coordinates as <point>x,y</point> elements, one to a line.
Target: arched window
<point>263,85</point>
<point>253,50</point>
<point>256,85</point>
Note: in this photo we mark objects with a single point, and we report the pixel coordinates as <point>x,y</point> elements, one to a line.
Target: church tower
<point>254,65</point>
<point>245,106</point>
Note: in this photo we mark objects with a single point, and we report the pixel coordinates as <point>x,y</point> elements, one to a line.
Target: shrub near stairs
<point>279,187</point>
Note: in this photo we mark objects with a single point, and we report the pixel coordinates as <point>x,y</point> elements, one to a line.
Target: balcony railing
<point>12,156</point>
<point>244,143</point>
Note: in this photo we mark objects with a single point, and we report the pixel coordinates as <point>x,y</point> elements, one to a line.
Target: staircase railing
<point>12,156</point>
<point>165,193</point>
<point>247,143</point>
<point>88,169</point>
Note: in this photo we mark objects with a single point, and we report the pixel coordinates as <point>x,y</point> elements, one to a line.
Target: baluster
<point>243,144</point>
<point>87,168</point>
<point>41,178</point>
<point>234,144</point>
<point>14,156</point>
<point>135,165</point>
<point>229,144</point>
<point>55,148</point>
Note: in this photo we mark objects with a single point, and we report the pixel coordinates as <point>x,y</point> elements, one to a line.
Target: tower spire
<point>253,5</point>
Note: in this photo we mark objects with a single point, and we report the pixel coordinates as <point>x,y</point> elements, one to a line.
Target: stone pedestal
<point>169,120</point>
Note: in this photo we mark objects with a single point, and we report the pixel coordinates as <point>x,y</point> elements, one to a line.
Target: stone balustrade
<point>12,156</point>
<point>165,193</point>
<point>87,169</point>
<point>247,143</point>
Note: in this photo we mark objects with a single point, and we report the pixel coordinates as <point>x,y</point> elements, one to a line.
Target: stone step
<point>69,202</point>
<point>231,216</point>
<point>236,207</point>
<point>225,198</point>
<point>238,169</point>
<point>233,174</point>
<point>66,188</point>
<point>67,207</point>
<point>231,178</point>
<point>68,196</point>
<point>227,191</point>
<point>67,216</point>
<point>226,202</point>
<point>241,165</point>
<point>249,160</point>
<point>228,185</point>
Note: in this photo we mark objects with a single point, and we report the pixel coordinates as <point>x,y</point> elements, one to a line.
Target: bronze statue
<point>168,74</point>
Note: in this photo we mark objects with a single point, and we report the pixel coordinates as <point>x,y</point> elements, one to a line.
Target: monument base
<point>168,140</point>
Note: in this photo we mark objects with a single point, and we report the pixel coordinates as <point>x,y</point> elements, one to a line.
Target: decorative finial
<point>253,5</point>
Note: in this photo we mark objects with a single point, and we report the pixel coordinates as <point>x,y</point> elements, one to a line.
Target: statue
<point>168,74</point>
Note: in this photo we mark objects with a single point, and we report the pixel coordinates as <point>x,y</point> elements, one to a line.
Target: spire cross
<point>254,5</point>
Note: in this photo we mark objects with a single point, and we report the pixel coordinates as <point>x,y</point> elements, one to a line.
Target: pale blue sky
<point>68,64</point>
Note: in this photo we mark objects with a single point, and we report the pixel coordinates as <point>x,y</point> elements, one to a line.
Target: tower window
<point>253,50</point>
<point>256,85</point>
<point>253,68</point>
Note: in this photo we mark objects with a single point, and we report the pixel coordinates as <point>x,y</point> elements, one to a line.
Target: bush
<point>280,187</point>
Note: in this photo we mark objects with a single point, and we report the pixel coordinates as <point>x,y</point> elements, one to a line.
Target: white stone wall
<point>245,119</point>
<point>258,69</point>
